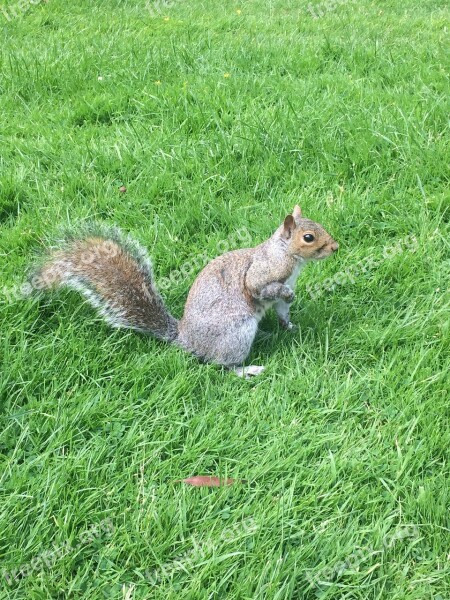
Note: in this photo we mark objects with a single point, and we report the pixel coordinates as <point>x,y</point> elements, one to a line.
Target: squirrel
<point>225,303</point>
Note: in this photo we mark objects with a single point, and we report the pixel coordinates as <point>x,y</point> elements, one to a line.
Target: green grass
<point>344,440</point>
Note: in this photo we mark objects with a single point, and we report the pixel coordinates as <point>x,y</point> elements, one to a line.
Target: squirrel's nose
<point>334,246</point>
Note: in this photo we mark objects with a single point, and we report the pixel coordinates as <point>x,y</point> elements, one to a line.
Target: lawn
<point>218,117</point>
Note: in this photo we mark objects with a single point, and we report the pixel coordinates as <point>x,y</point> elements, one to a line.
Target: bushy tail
<point>115,274</point>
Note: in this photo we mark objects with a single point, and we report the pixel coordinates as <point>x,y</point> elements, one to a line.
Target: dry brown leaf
<point>207,481</point>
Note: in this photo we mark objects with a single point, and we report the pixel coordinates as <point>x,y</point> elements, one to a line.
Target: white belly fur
<point>262,308</point>
<point>292,280</point>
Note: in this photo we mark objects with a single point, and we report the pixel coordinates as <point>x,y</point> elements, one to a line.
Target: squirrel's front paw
<point>288,295</point>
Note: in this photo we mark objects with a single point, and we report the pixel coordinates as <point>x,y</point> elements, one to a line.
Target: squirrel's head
<point>305,238</point>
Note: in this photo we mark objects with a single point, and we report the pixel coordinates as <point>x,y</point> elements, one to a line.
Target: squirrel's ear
<point>288,226</point>
<point>297,213</point>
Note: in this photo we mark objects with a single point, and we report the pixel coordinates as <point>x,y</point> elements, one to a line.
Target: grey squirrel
<point>225,303</point>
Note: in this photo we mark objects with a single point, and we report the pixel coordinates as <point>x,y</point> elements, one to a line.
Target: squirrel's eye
<point>308,237</point>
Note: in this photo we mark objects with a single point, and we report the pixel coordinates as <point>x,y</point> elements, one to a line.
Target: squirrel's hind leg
<point>247,372</point>
<point>224,341</point>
